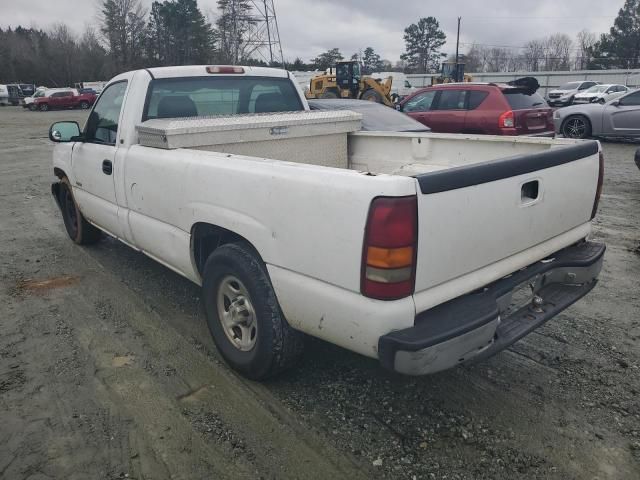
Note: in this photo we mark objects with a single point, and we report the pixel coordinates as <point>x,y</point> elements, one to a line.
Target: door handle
<point>107,167</point>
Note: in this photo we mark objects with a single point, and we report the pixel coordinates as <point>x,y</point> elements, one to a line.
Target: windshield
<point>597,89</point>
<point>201,96</point>
<point>570,86</point>
<point>519,100</point>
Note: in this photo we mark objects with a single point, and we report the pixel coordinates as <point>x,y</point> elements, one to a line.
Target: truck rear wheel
<point>243,314</point>
<point>84,105</point>
<point>79,230</point>
<point>372,96</point>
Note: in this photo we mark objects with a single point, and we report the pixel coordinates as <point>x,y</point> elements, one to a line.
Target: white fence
<point>547,80</point>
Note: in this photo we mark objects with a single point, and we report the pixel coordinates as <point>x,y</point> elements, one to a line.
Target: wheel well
<point>206,238</point>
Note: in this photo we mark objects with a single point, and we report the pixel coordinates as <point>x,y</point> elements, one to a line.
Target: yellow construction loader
<point>346,81</point>
<point>451,73</point>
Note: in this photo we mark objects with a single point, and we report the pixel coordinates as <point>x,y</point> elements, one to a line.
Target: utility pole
<point>458,79</point>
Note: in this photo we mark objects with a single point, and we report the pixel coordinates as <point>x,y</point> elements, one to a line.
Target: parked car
<point>482,108</point>
<point>405,247</point>
<point>40,92</point>
<point>375,116</point>
<point>618,118</point>
<point>4,95</point>
<point>564,94</point>
<point>601,93</point>
<point>69,98</point>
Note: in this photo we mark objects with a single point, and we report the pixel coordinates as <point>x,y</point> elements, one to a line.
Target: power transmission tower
<point>263,37</point>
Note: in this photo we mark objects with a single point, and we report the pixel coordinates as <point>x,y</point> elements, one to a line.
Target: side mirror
<point>64,132</point>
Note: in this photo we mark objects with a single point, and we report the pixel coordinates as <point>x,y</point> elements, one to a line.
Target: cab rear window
<point>202,96</point>
<point>520,101</point>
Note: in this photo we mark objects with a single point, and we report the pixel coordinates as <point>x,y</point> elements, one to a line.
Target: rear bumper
<point>478,325</point>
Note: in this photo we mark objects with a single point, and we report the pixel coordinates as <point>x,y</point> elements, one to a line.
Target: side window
<point>102,125</point>
<point>586,85</point>
<point>631,99</point>
<point>476,97</point>
<point>451,100</point>
<point>421,102</point>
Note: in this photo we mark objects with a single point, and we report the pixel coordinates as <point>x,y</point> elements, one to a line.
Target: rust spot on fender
<point>41,286</point>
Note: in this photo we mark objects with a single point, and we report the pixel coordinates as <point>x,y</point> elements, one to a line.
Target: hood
<point>585,109</point>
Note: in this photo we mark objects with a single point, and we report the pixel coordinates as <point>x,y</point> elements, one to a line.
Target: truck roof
<point>201,71</point>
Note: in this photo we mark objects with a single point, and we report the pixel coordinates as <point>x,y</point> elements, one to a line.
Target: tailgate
<point>473,216</point>
<point>533,121</point>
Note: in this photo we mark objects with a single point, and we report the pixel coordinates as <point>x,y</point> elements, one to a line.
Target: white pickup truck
<point>422,250</point>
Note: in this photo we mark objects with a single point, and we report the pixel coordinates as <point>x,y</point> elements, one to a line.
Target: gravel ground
<point>107,369</point>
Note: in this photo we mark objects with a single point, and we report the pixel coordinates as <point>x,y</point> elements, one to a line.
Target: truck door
<point>93,161</point>
<point>623,118</point>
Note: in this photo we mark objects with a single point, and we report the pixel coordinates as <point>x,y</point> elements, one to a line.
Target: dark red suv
<point>485,108</point>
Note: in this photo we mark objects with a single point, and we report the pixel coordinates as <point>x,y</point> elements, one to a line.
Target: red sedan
<point>480,108</point>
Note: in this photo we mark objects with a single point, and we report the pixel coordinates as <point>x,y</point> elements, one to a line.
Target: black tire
<point>576,126</point>
<point>44,107</point>
<point>33,107</point>
<point>371,96</point>
<point>276,345</point>
<point>84,105</point>
<point>79,230</point>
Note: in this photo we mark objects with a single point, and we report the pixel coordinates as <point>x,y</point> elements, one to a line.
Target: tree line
<point>176,32</point>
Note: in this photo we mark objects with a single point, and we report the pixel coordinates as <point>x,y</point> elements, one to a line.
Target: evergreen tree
<point>233,27</point>
<point>423,41</point>
<point>620,48</point>
<point>327,59</point>
<point>178,34</point>
<point>371,61</point>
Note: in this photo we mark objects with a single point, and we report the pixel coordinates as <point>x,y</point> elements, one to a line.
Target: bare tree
<point>534,55</point>
<point>586,41</point>
<point>558,52</point>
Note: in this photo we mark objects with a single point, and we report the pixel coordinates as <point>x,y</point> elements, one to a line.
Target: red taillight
<point>390,247</point>
<point>599,188</point>
<point>507,120</point>
<point>225,69</point>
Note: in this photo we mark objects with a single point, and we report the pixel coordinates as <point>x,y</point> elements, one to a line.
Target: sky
<point>309,27</point>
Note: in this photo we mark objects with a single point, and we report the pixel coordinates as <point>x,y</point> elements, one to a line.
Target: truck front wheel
<point>79,230</point>
<point>44,107</point>
<point>243,314</point>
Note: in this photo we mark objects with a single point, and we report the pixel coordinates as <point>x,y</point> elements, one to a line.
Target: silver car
<point>616,118</point>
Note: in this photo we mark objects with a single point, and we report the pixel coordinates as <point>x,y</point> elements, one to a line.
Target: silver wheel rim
<point>575,128</point>
<point>236,313</point>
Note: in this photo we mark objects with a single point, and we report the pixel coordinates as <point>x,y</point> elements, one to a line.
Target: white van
<point>400,87</point>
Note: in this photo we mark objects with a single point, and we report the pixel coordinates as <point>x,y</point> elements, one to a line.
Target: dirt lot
<point>107,369</point>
